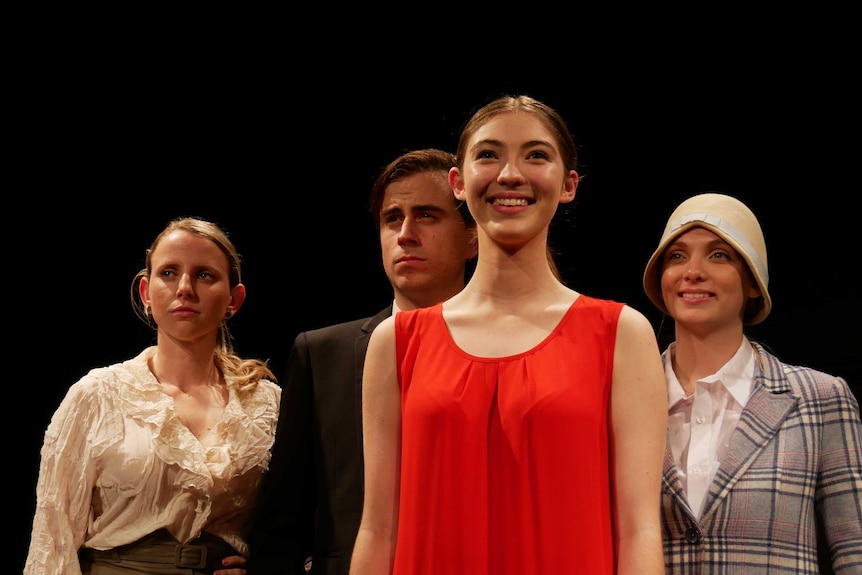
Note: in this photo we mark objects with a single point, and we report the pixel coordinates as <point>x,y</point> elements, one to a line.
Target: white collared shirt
<point>700,425</point>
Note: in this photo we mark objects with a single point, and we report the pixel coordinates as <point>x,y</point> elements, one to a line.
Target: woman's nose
<point>185,286</point>
<point>510,174</point>
<point>693,273</point>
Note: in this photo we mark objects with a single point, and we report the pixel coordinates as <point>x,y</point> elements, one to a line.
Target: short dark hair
<point>407,164</point>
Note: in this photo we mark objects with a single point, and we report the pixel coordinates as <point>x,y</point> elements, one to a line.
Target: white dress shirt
<point>700,425</point>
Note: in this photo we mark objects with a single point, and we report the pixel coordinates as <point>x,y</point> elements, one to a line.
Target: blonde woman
<point>152,465</point>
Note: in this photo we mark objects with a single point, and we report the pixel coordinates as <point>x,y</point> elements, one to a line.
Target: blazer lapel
<point>762,416</point>
<point>673,483</point>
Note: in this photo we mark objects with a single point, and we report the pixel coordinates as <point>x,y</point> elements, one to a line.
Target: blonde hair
<point>245,372</point>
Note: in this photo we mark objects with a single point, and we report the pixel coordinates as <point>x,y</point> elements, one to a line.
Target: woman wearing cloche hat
<point>761,455</point>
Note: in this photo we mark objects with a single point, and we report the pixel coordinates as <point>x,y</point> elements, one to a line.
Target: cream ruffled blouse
<point>117,463</point>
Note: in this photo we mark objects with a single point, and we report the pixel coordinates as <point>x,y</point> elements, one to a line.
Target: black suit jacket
<point>311,498</point>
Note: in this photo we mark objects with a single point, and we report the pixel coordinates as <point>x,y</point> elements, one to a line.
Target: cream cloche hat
<point>731,220</point>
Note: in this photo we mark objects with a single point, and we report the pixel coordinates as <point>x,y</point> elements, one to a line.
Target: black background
<point>280,144</point>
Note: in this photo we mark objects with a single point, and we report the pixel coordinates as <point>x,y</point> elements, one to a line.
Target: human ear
<point>457,183</point>
<point>570,186</point>
<point>144,291</point>
<point>237,297</point>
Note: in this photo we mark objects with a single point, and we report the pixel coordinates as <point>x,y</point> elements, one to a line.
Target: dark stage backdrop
<point>285,163</point>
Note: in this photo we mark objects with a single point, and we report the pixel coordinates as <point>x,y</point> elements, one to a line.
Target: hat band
<point>727,228</point>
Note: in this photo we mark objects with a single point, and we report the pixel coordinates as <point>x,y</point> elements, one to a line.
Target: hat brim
<point>652,272</point>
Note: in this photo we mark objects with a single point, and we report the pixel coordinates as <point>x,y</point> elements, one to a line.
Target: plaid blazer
<point>793,466</point>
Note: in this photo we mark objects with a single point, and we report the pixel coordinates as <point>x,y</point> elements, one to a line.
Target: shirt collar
<point>736,375</point>
<point>675,393</point>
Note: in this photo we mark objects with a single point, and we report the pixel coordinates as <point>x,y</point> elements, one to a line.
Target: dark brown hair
<point>407,164</point>
<point>547,115</point>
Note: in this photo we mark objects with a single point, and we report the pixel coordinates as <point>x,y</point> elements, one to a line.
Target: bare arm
<point>638,430</point>
<point>374,551</point>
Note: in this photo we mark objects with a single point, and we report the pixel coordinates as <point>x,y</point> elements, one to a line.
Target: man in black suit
<point>310,503</point>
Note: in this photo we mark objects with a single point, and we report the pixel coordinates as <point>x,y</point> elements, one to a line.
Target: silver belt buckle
<point>191,556</point>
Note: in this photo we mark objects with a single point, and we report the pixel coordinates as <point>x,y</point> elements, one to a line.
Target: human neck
<point>510,279</point>
<point>699,355</point>
<point>514,272</point>
<point>426,298</point>
<point>184,367</point>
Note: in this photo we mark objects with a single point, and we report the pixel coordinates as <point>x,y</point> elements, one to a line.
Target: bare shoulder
<point>637,360</point>
<point>634,323</point>
<point>384,330</point>
<point>383,336</point>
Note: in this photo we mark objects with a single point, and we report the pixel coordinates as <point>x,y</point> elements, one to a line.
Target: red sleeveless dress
<point>505,461</point>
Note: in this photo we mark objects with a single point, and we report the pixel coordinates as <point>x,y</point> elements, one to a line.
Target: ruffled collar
<point>235,446</point>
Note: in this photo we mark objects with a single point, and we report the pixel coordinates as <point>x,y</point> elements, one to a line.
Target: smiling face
<point>424,241</point>
<point>705,283</point>
<point>513,177</point>
<point>188,290</point>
